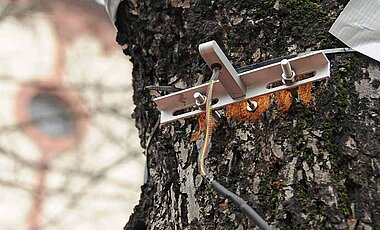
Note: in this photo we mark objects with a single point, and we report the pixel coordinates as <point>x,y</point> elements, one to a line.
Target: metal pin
<point>288,75</point>
<point>252,105</point>
<point>200,101</point>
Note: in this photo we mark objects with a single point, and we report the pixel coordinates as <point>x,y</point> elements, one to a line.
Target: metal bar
<point>214,57</point>
<point>327,52</point>
<point>257,83</point>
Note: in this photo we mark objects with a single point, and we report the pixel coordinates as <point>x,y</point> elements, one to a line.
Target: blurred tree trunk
<point>313,164</point>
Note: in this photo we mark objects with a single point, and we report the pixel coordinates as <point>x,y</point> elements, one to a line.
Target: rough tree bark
<point>305,164</point>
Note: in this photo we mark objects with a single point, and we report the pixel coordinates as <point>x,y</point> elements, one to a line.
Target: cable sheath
<point>209,122</point>
<point>242,205</point>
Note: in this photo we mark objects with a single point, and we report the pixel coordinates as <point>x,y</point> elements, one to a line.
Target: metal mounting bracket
<point>253,83</point>
<point>214,57</point>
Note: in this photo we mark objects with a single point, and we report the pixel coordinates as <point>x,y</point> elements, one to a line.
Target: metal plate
<point>256,81</point>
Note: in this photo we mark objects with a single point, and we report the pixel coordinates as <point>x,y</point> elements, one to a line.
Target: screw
<point>252,105</point>
<point>288,75</point>
<point>200,102</point>
<point>200,99</point>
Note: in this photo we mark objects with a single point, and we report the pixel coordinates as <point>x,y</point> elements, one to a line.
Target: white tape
<point>358,26</point>
<point>111,8</point>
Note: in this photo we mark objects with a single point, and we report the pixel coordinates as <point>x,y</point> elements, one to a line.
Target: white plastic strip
<point>111,8</point>
<point>358,26</point>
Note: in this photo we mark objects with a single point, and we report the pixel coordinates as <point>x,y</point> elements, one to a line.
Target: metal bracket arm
<point>258,82</point>
<point>214,57</point>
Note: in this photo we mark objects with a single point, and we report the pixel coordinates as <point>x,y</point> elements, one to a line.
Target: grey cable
<point>146,170</point>
<point>242,205</point>
<point>167,88</point>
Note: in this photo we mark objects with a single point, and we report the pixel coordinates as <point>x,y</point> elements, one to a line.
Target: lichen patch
<point>365,87</point>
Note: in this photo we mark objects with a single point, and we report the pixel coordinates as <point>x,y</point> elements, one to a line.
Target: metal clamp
<point>233,87</point>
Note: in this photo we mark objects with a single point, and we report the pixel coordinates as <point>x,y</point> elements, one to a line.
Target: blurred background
<point>70,156</point>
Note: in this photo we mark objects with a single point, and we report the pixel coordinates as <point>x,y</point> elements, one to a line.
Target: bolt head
<point>252,106</point>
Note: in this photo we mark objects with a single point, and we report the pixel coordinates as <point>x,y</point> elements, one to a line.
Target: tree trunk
<point>303,160</point>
